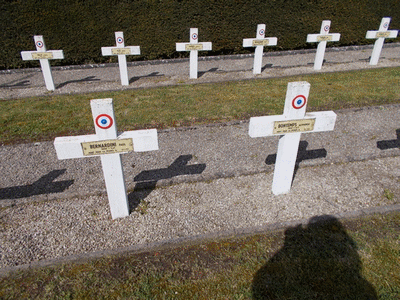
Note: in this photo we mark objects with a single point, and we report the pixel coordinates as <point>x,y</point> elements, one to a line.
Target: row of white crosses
<point>194,46</point>
<point>109,146</point>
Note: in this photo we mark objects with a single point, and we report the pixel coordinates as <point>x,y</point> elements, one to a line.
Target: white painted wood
<point>322,38</point>
<point>106,129</point>
<point>380,36</point>
<point>259,42</point>
<point>294,109</point>
<point>194,47</point>
<point>43,56</point>
<point>122,51</point>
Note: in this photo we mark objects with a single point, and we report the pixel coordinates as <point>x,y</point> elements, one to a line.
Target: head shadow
<point>317,261</point>
<point>146,181</point>
<point>153,74</point>
<point>86,79</point>
<point>390,144</point>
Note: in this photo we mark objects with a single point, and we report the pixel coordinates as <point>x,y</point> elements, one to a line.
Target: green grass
<point>357,258</point>
<point>43,118</point>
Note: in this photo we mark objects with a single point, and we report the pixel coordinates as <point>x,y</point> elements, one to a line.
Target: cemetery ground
<point>352,258</point>
<point>227,187</point>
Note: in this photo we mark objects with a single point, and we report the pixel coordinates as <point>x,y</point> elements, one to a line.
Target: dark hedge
<point>82,27</point>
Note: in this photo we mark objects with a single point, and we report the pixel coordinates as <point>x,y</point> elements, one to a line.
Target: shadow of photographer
<point>317,261</point>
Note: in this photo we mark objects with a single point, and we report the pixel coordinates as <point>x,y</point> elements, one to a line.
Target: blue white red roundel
<point>104,121</point>
<point>194,36</point>
<point>120,40</point>
<point>261,32</point>
<point>326,28</point>
<point>299,101</point>
<point>386,25</point>
<point>39,44</point>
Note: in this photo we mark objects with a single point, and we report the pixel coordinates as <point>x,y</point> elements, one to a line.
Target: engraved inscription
<point>193,47</point>
<point>282,127</point>
<point>382,34</point>
<point>322,38</point>
<point>42,55</point>
<point>121,51</point>
<point>107,147</point>
<point>260,42</point>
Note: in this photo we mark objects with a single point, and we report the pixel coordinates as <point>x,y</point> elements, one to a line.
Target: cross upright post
<point>109,146</point>
<point>380,36</point>
<point>290,125</point>
<point>122,51</point>
<point>322,38</point>
<point>259,42</point>
<point>43,56</point>
<point>194,47</point>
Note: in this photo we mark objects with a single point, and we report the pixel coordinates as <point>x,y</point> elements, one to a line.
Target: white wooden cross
<point>109,146</point>
<point>259,42</point>
<point>194,47</point>
<point>322,38</point>
<point>122,51</point>
<point>380,35</point>
<point>43,56</point>
<point>290,125</point>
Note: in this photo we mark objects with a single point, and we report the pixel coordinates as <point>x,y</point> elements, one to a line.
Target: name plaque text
<point>107,147</point>
<point>42,55</point>
<point>260,42</point>
<point>323,38</point>
<point>283,127</point>
<point>121,51</point>
<point>383,34</point>
<point>193,47</point>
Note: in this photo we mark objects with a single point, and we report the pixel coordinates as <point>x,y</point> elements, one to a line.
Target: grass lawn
<point>43,118</point>
<point>327,258</point>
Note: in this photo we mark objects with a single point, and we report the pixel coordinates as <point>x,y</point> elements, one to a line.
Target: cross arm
<point>332,37</point>
<point>374,34</point>
<point>271,41</point>
<point>50,54</point>
<point>70,147</point>
<point>264,126</point>
<point>128,50</point>
<point>206,46</point>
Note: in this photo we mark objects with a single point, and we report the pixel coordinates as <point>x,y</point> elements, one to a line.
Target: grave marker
<point>194,47</point>
<point>43,56</point>
<point>290,125</point>
<point>109,146</point>
<point>380,36</point>
<point>122,51</point>
<point>259,42</point>
<point>322,38</point>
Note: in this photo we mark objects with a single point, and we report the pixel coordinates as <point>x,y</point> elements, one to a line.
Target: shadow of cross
<point>45,185</point>
<point>390,144</point>
<point>147,180</point>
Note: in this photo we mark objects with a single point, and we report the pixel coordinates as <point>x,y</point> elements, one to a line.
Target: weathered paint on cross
<point>290,125</point>
<point>43,56</point>
<point>194,47</point>
<point>109,146</point>
<point>322,38</point>
<point>380,36</point>
<point>259,42</point>
<point>122,51</point>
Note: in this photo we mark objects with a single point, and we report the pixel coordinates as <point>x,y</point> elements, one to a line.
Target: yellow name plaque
<point>322,38</point>
<point>121,51</point>
<point>42,55</point>
<point>282,127</point>
<point>107,147</point>
<point>260,42</point>
<point>382,34</point>
<point>194,47</point>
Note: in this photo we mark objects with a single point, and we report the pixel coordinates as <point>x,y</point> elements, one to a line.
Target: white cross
<point>109,146</point>
<point>290,125</point>
<point>380,35</point>
<point>43,56</point>
<point>322,38</point>
<point>122,51</point>
<point>194,47</point>
<point>259,42</point>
